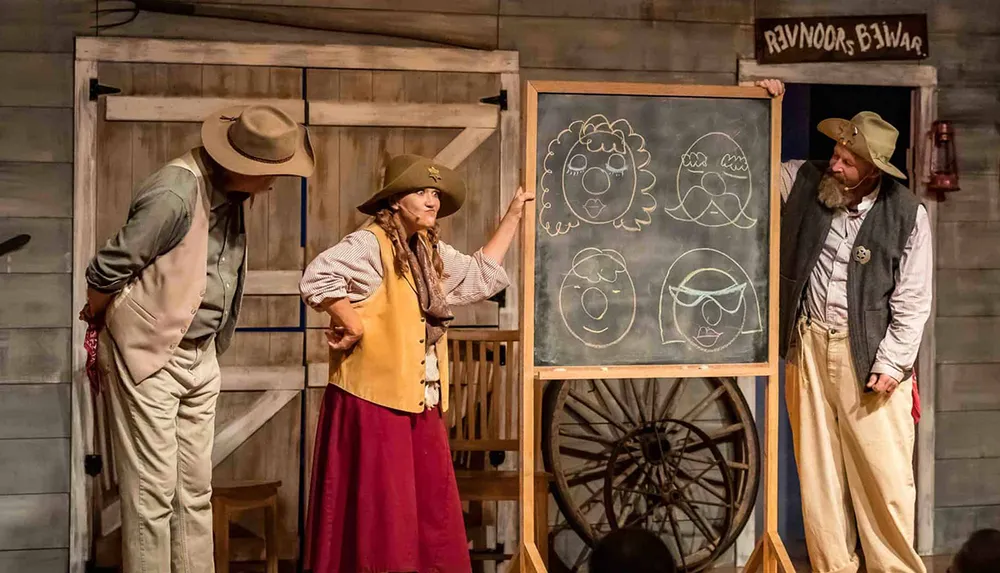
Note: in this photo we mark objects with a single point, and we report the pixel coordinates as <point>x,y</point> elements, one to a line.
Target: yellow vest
<point>387,366</point>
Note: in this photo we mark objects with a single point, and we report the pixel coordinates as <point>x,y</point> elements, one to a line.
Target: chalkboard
<point>652,229</point>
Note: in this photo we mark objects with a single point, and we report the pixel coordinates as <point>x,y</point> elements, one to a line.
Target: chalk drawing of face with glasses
<point>597,298</point>
<point>713,184</point>
<point>707,301</point>
<point>595,172</point>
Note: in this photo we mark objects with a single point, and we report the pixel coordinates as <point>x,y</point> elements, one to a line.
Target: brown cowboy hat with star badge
<point>868,136</point>
<point>258,140</point>
<point>405,173</point>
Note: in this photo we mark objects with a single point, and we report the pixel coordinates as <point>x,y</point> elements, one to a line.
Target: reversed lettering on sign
<point>789,40</point>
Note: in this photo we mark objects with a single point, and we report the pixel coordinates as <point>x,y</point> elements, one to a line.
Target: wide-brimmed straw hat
<point>405,173</point>
<point>258,140</point>
<point>867,135</point>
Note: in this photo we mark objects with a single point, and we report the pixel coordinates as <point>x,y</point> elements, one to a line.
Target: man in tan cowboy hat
<point>855,294</point>
<point>167,287</point>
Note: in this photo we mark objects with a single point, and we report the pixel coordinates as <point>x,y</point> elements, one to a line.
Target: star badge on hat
<point>862,254</point>
<point>434,173</point>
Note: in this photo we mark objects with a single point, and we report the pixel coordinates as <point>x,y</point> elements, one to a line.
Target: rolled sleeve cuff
<point>494,273</point>
<point>889,370</point>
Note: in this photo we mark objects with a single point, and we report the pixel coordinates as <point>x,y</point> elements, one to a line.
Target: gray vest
<point>805,223</point>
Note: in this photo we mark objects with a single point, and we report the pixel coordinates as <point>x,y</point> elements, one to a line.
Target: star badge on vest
<point>862,254</point>
<point>434,173</point>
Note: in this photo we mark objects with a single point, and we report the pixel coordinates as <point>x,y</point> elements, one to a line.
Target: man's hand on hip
<point>882,383</point>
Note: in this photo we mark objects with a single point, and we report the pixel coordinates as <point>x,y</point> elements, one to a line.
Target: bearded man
<point>855,293</point>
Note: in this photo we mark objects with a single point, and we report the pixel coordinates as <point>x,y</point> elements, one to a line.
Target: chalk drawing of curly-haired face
<point>713,184</point>
<point>595,172</point>
<point>597,298</point>
<point>707,301</point>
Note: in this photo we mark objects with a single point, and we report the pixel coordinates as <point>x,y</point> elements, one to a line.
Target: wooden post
<point>84,201</point>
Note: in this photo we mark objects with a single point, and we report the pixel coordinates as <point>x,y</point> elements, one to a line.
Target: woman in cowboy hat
<point>856,266</point>
<point>167,286</point>
<point>383,495</point>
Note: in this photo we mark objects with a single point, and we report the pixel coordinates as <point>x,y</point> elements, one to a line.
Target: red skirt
<point>383,496</point>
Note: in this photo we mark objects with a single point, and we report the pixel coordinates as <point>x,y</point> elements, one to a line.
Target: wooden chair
<point>485,383</point>
<point>229,500</point>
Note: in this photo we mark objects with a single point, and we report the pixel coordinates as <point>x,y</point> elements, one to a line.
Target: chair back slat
<point>484,383</point>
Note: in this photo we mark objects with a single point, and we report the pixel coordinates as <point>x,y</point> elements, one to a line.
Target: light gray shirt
<point>910,303</point>
<point>158,219</point>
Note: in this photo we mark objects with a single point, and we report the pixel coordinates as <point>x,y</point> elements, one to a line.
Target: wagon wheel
<point>586,421</point>
<point>658,477</point>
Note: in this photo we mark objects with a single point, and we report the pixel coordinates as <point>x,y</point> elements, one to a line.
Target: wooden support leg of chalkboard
<point>527,560</point>
<point>770,554</point>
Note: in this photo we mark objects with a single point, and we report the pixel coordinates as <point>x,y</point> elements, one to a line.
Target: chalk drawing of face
<point>597,298</point>
<point>713,184</point>
<point>594,172</point>
<point>707,301</point>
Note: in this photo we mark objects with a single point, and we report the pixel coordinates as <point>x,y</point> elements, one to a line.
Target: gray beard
<point>832,193</point>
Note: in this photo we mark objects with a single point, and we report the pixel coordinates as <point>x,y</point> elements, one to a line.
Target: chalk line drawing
<point>595,172</point>
<point>713,184</point>
<point>708,301</point>
<point>595,296</point>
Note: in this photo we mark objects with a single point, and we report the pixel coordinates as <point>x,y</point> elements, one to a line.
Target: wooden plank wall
<point>36,197</point>
<point>964,45</point>
<point>638,40</point>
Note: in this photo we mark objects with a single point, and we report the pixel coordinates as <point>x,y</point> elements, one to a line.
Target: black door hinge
<point>97,90</point>
<point>500,100</point>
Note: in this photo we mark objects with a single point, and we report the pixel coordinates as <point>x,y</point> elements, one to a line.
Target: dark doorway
<point>804,106</point>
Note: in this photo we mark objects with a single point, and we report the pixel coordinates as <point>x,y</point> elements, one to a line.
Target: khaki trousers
<point>163,430</point>
<point>854,454</point>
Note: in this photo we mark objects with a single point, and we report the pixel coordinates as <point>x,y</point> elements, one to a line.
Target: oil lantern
<point>944,163</point>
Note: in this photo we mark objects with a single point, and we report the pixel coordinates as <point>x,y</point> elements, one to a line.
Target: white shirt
<point>910,302</point>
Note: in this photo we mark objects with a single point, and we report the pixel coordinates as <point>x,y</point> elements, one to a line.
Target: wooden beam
<point>385,114</point>
<point>923,113</point>
<point>511,160</point>
<point>84,233</point>
<point>867,73</point>
<point>255,378</point>
<point>233,434</point>
<point>272,283</point>
<point>189,109</point>
<point>296,55</point>
<point>462,146</point>
<point>651,371</point>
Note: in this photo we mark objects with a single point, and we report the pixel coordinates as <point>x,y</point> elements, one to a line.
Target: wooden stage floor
<point>938,564</point>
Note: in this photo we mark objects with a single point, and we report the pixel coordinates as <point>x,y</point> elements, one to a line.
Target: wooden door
<point>154,119</point>
<point>435,114</point>
<point>403,101</point>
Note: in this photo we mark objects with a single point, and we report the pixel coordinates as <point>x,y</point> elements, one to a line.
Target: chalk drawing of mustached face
<point>597,298</point>
<point>595,172</point>
<point>707,302</point>
<point>713,184</point>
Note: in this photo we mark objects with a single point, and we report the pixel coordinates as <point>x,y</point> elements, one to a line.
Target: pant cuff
<point>850,567</point>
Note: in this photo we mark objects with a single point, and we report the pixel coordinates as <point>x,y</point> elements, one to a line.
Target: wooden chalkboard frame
<point>769,553</point>
<point>533,89</point>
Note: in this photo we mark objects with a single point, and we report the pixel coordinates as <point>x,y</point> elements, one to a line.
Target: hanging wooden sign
<point>841,38</point>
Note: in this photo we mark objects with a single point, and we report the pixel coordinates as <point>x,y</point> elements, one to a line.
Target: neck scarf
<point>420,259</point>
